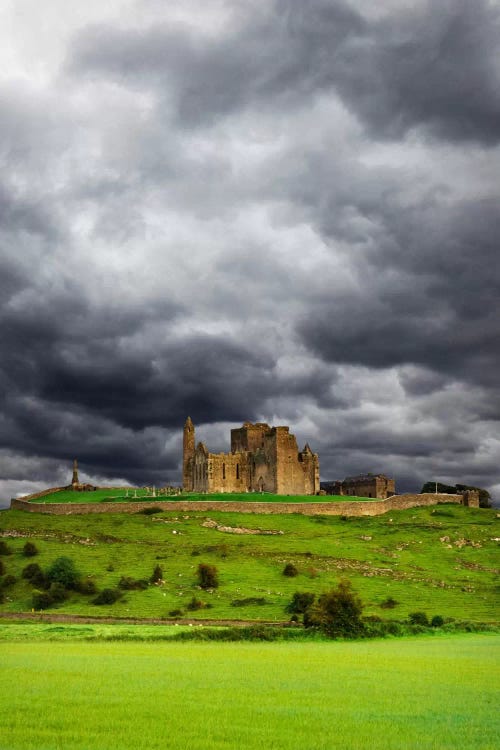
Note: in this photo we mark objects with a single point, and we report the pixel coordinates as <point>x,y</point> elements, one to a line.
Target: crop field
<point>122,495</point>
<point>437,692</point>
<point>441,560</point>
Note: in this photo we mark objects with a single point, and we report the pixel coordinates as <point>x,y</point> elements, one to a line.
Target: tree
<point>30,549</point>
<point>157,574</point>
<point>207,576</point>
<point>63,571</point>
<point>301,601</point>
<point>337,612</point>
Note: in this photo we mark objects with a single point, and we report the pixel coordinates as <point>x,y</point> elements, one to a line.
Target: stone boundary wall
<point>352,508</point>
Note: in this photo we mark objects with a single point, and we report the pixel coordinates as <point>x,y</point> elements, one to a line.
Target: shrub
<point>4,548</point>
<point>290,570</point>
<point>63,571</point>
<point>418,618</point>
<point>7,581</point>
<point>175,613</point>
<point>207,576</point>
<point>130,584</point>
<point>2,568</point>
<point>42,600</point>
<point>301,601</point>
<point>337,612</point>
<point>389,603</point>
<point>58,592</point>
<point>35,574</point>
<point>30,549</point>
<point>194,604</point>
<point>151,511</point>
<point>157,575</point>
<point>107,596</point>
<point>85,586</point>
<point>437,621</point>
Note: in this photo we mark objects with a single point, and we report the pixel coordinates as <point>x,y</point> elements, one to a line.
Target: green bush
<point>130,584</point>
<point>7,581</point>
<point>151,511</point>
<point>175,613</point>
<point>30,549</point>
<point>437,621</point>
<point>4,548</point>
<point>195,604</point>
<point>42,600</point>
<point>35,574</point>
<point>207,576</point>
<point>389,603</point>
<point>63,571</point>
<point>301,601</point>
<point>157,575</point>
<point>248,600</point>
<point>85,586</point>
<point>418,618</point>
<point>2,568</point>
<point>337,612</point>
<point>58,592</point>
<point>107,596</point>
<point>290,570</point>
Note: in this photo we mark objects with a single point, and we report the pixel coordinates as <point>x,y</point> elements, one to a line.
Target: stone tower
<point>187,456</point>
<point>75,473</point>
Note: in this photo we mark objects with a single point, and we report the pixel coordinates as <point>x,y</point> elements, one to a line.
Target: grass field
<point>121,495</point>
<point>437,693</point>
<point>443,560</point>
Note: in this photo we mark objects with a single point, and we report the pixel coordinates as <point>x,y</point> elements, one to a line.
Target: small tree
<point>418,618</point>
<point>157,574</point>
<point>337,612</point>
<point>30,549</point>
<point>301,601</point>
<point>42,600</point>
<point>2,568</point>
<point>33,572</point>
<point>4,548</point>
<point>290,570</point>
<point>207,576</point>
<point>63,571</point>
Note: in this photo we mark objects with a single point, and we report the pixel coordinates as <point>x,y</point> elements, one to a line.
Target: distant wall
<point>352,508</point>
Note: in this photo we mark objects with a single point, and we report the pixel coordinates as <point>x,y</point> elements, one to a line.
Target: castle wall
<point>348,508</point>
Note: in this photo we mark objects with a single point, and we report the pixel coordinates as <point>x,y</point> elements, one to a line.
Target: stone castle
<point>364,485</point>
<point>262,459</point>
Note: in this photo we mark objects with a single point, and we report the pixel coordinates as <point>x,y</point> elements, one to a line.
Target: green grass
<point>400,555</point>
<point>437,693</point>
<point>119,495</point>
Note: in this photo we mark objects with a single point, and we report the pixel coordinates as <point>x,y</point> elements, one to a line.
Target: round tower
<point>74,480</point>
<point>187,456</point>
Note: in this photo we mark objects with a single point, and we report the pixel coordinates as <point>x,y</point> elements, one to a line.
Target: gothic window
<point>223,471</point>
<point>237,471</point>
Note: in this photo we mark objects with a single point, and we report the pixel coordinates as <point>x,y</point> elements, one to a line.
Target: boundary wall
<point>352,508</point>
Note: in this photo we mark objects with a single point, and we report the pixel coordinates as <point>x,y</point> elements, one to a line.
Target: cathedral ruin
<point>262,459</point>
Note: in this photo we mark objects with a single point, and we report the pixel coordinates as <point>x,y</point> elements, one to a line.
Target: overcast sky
<point>264,210</point>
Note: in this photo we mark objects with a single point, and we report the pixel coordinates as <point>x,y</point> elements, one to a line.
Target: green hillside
<point>442,560</point>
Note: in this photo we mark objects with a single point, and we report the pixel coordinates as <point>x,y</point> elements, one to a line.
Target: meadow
<point>435,692</point>
<point>442,560</point>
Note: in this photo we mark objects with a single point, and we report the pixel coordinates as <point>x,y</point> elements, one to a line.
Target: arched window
<point>237,471</point>
<point>223,471</point>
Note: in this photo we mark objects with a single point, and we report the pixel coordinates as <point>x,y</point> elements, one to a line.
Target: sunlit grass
<point>411,693</point>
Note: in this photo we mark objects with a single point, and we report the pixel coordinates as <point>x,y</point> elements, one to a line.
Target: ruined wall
<point>348,508</point>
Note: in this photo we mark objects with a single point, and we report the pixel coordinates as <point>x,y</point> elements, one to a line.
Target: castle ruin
<point>262,459</point>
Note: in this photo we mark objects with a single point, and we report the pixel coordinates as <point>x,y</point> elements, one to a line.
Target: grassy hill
<point>442,560</point>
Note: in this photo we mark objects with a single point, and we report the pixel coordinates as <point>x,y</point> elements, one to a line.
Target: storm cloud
<point>262,210</point>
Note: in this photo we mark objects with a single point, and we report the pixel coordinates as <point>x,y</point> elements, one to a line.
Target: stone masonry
<point>262,459</point>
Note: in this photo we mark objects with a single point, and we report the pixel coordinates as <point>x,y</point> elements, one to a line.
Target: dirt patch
<point>209,524</point>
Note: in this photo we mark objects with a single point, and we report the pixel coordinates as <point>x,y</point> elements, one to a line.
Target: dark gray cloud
<point>434,66</point>
<point>269,210</point>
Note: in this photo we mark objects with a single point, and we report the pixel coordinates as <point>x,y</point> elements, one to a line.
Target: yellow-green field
<point>438,693</point>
